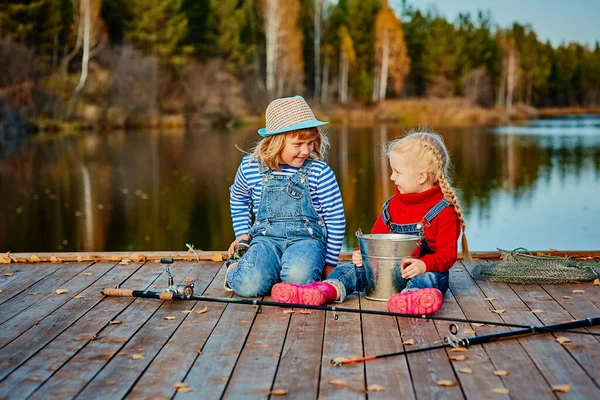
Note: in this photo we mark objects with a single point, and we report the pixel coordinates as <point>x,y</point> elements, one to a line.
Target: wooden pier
<point>60,339</point>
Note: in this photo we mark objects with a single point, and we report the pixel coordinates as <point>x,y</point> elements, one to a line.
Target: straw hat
<point>289,114</point>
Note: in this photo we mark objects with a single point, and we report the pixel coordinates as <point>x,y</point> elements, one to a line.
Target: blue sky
<point>556,20</point>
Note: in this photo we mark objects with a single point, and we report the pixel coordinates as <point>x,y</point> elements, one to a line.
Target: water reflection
<point>532,185</point>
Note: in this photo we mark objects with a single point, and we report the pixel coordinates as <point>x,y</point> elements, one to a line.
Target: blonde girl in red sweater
<point>424,204</point>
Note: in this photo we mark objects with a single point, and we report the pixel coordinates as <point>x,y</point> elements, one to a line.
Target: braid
<point>442,161</point>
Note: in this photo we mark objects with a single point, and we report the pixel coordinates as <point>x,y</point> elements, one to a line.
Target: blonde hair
<point>428,151</point>
<point>267,151</point>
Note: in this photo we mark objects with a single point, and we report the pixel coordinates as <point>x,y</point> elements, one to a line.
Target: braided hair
<point>428,150</point>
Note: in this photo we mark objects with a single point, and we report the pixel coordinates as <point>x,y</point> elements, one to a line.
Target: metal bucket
<point>380,254</point>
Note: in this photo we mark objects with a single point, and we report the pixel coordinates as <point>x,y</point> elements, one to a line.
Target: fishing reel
<point>184,289</point>
<point>239,250</point>
<point>454,341</point>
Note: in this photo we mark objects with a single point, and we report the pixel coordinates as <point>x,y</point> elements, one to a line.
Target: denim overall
<point>351,278</point>
<point>288,237</point>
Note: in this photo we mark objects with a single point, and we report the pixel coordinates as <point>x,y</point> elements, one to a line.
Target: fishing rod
<point>178,295</point>
<point>466,342</point>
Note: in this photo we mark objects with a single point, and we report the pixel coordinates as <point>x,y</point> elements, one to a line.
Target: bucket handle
<point>358,232</point>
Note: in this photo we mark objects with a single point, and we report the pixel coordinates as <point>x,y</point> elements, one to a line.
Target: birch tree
<point>347,59</point>
<point>284,61</point>
<point>391,58</point>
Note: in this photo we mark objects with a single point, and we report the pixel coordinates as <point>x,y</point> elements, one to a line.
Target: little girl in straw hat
<point>424,204</point>
<point>286,201</point>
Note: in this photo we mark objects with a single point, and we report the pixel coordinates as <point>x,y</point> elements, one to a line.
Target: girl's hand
<point>357,258</point>
<point>235,242</point>
<point>412,267</point>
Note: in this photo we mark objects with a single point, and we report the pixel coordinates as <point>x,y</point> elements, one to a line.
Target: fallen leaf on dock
<point>205,309</point>
<point>288,311</point>
<point>169,317</point>
<point>338,382</point>
<point>115,322</point>
<point>61,291</point>
<point>8,274</point>
<point>469,332</point>
<point>116,258</point>
<point>88,273</point>
<point>477,325</point>
<point>578,291</point>
<point>32,293</point>
<point>188,279</point>
<point>305,312</point>
<point>187,311</point>
<point>566,297</point>
<point>498,311</point>
<point>125,261</point>
<point>500,391</point>
<point>409,342</point>
<point>490,298</point>
<point>459,350</point>
<point>597,282</point>
<point>446,382</point>
<point>466,371</point>
<point>34,259</point>
<point>375,388</point>
<point>457,270</point>
<point>186,389</point>
<point>538,311</point>
<point>457,358</point>
<point>137,356</point>
<point>137,257</point>
<point>216,257</point>
<point>279,392</point>
<point>1,290</point>
<point>501,372</point>
<point>561,388</point>
<point>562,340</point>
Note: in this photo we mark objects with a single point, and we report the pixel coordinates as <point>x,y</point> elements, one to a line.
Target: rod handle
<point>117,292</point>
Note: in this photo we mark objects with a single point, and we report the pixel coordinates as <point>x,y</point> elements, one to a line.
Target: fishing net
<point>523,267</point>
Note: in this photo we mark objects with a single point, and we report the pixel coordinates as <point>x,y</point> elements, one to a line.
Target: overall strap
<point>435,210</point>
<point>385,212</point>
<point>301,176</point>
<point>263,169</point>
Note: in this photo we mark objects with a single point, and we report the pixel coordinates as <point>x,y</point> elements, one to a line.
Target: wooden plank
<point>52,301</point>
<point>211,369</point>
<point>40,367</point>
<point>381,335</point>
<point>343,338</point>
<point>300,361</point>
<point>23,278</point>
<point>482,381</point>
<point>44,291</point>
<point>578,305</point>
<point>582,348</point>
<point>50,326</point>
<point>74,375</point>
<point>427,368</point>
<point>175,359</point>
<point>125,369</point>
<point>563,369</point>
<point>524,381</point>
<point>255,369</point>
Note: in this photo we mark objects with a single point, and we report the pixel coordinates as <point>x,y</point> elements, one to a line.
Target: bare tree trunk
<point>318,12</point>
<point>510,77</point>
<point>340,79</point>
<point>86,45</point>
<point>325,82</point>
<point>384,67</point>
<point>69,57</point>
<point>271,31</point>
<point>255,55</point>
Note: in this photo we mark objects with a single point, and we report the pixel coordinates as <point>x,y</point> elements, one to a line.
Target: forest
<point>121,63</point>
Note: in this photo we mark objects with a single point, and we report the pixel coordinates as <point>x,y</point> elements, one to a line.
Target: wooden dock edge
<point>219,256</point>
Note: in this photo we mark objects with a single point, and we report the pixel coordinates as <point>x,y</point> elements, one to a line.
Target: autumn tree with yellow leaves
<point>347,59</point>
<point>391,59</point>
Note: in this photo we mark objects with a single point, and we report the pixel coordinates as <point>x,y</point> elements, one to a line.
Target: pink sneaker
<point>314,294</point>
<point>418,301</point>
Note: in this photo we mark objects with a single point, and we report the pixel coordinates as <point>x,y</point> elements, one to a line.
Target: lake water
<point>534,185</point>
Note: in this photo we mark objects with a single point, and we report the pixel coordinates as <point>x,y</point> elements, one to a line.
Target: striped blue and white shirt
<point>245,192</point>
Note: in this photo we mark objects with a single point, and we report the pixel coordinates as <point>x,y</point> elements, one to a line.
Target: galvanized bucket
<point>381,253</point>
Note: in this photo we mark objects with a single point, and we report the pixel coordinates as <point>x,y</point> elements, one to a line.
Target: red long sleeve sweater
<point>442,234</point>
